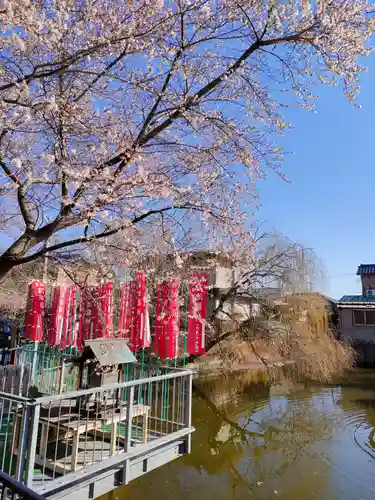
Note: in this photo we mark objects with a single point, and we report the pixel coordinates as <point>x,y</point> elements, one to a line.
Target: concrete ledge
<point>103,477</point>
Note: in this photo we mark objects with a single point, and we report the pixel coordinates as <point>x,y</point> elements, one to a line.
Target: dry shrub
<point>297,332</point>
<point>237,351</point>
<point>320,359</point>
<point>310,343</point>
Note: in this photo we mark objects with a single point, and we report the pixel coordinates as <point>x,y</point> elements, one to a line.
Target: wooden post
<point>113,438</point>
<point>34,363</point>
<point>62,372</point>
<point>75,450</point>
<point>145,425</point>
<point>13,341</point>
<point>31,444</point>
<point>188,409</point>
<point>128,432</point>
<point>23,441</point>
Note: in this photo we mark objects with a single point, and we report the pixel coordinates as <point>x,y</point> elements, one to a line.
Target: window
<point>364,317</point>
<point>359,317</point>
<point>370,317</point>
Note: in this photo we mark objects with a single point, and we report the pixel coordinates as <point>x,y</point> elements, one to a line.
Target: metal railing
<point>56,435</point>
<point>14,490</point>
<point>35,365</point>
<point>49,370</point>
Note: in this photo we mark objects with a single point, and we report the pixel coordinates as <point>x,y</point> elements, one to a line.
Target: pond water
<point>273,440</point>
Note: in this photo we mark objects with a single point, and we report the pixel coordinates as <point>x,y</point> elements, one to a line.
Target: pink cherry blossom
<point>155,119</point>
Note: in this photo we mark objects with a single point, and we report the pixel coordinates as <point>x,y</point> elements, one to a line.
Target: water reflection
<point>273,439</point>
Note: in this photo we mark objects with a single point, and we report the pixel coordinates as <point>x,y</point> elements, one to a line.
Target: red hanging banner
<point>72,328</point>
<point>65,326</point>
<point>128,319</point>
<point>140,336</point>
<point>146,340</point>
<point>145,334</point>
<point>87,313</point>
<point>198,292</point>
<point>174,319</point>
<point>96,312</point>
<point>93,312</point>
<point>158,326</point>
<point>35,311</point>
<point>167,321</point>
<point>57,316</point>
<point>161,321</point>
<point>137,311</point>
<point>122,311</point>
<point>125,311</point>
<point>68,331</point>
<point>82,315</point>
<point>106,311</point>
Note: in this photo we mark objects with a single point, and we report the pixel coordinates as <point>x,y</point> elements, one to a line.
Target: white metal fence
<point>10,489</point>
<point>54,436</point>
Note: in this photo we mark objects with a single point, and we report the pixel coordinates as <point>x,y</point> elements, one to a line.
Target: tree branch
<point>104,234</point>
<point>159,98</point>
<point>143,138</point>
<point>101,74</point>
<point>12,176</point>
<point>21,195</point>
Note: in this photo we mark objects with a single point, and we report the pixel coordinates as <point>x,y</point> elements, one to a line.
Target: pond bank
<point>216,369</point>
<point>274,440</point>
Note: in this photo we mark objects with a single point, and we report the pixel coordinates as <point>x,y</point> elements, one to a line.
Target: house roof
<point>356,299</point>
<point>364,269</point>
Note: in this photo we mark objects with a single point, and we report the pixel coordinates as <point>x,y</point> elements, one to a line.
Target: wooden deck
<point>69,442</point>
<point>98,479</point>
<point>63,458</point>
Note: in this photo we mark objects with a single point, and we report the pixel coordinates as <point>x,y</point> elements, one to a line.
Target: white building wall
<point>239,310</point>
<point>224,277</point>
<point>350,332</point>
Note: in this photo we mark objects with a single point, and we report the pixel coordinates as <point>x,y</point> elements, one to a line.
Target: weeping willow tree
<point>310,339</point>
<point>287,321</point>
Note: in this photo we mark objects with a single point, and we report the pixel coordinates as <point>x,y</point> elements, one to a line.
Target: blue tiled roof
<point>356,299</point>
<point>366,269</point>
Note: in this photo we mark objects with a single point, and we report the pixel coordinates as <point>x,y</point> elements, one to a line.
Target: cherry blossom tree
<point>118,117</point>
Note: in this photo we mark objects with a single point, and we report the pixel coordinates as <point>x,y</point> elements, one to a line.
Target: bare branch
<point>104,234</point>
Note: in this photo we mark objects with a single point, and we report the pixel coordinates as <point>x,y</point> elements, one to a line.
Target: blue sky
<point>330,203</point>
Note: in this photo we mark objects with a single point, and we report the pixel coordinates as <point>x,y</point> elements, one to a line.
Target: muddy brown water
<point>273,441</point>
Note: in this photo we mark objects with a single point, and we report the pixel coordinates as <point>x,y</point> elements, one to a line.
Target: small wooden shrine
<point>104,361</point>
<point>101,363</point>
